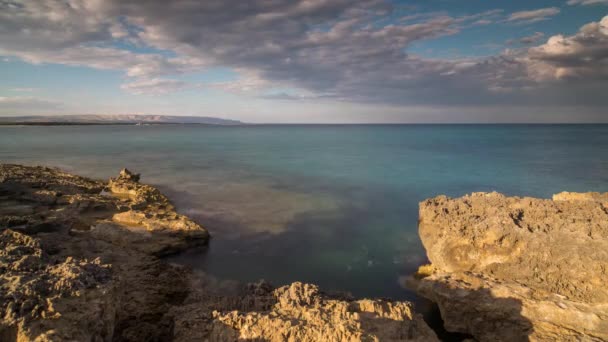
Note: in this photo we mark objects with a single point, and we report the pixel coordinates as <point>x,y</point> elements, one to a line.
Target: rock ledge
<point>80,260</point>
<point>513,269</point>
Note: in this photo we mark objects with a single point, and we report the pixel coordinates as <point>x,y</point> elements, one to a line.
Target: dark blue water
<point>333,205</point>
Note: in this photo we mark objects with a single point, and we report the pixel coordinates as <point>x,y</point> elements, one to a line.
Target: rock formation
<point>80,260</point>
<point>515,269</point>
<point>72,272</point>
<point>298,312</point>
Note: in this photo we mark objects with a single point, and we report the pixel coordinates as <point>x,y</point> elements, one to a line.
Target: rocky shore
<point>82,260</point>
<point>518,269</point>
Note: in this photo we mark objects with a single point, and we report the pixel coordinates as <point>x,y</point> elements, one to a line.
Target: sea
<point>334,205</point>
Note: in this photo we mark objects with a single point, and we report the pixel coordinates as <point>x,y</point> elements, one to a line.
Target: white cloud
<point>325,49</point>
<point>533,15</point>
<point>532,39</point>
<point>587,2</point>
<point>154,86</point>
<point>583,55</point>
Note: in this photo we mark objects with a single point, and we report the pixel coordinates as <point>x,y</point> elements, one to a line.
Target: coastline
<point>109,240</point>
<point>84,260</point>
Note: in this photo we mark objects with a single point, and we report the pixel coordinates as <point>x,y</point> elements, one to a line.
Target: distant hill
<point>115,119</point>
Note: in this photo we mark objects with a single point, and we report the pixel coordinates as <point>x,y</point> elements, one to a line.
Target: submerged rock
<point>513,269</point>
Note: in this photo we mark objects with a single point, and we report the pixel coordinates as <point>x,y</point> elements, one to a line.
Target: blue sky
<point>308,61</point>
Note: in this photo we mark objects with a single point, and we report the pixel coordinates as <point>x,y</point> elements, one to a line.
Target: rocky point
<point>82,260</point>
<point>518,269</point>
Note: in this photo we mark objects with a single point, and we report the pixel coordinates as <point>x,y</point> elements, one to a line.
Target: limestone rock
<point>149,211</point>
<point>80,261</point>
<point>582,196</point>
<point>300,312</point>
<point>508,267</point>
<point>56,282</point>
<point>127,175</point>
<point>43,298</point>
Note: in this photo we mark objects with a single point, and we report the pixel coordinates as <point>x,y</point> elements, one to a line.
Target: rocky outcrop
<point>164,230</point>
<point>80,261</point>
<point>35,289</point>
<point>70,272</point>
<point>301,313</point>
<point>298,312</point>
<point>513,269</point>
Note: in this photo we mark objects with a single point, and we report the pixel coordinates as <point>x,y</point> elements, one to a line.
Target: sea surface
<point>333,205</point>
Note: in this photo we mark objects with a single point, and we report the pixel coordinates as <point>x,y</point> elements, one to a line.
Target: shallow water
<point>333,205</point>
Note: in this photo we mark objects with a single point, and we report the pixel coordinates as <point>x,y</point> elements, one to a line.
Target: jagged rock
<point>56,284</point>
<point>584,196</point>
<point>152,223</point>
<point>510,268</point>
<point>52,299</point>
<point>300,312</point>
<point>80,263</point>
<point>303,314</point>
<point>127,175</point>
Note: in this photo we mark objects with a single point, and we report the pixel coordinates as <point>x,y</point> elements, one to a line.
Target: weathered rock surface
<point>513,269</point>
<point>65,278</point>
<point>297,312</point>
<point>35,289</point>
<point>79,261</point>
<point>148,208</point>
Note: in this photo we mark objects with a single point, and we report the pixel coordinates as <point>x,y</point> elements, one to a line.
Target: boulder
<point>511,268</point>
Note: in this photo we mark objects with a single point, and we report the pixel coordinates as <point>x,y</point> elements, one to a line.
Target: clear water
<point>333,205</point>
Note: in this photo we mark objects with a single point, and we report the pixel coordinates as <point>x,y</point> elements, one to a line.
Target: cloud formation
<point>583,55</point>
<point>587,2</point>
<point>343,50</point>
<point>532,39</point>
<point>533,15</point>
<point>155,86</point>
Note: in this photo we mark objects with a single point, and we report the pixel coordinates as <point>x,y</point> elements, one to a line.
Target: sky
<point>308,61</point>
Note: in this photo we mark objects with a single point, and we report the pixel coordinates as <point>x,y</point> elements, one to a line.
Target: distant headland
<point>122,119</point>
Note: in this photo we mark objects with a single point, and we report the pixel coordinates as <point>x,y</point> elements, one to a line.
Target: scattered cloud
<point>532,39</point>
<point>338,49</point>
<point>154,86</point>
<point>248,82</point>
<point>587,2</point>
<point>533,15</point>
<point>483,22</point>
<point>582,55</point>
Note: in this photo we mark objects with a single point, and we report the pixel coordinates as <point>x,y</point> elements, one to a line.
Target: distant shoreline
<point>109,124</point>
<point>283,124</point>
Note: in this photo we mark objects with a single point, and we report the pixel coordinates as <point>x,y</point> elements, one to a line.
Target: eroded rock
<point>52,299</point>
<point>80,262</point>
<point>149,211</point>
<point>69,272</point>
<point>510,268</point>
<point>300,312</point>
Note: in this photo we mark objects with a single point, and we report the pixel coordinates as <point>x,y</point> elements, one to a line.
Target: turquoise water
<point>333,205</point>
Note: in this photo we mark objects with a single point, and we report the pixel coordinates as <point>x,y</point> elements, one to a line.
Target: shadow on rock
<point>467,307</point>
